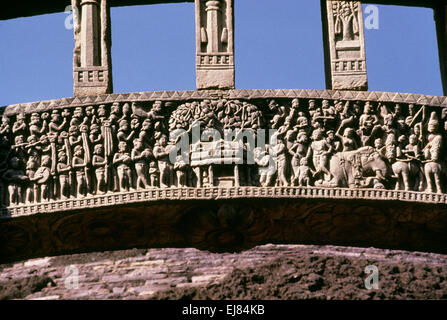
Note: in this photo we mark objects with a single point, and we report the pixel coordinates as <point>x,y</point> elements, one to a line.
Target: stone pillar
<point>92,68</point>
<point>344,44</point>
<point>214,44</point>
<point>441,31</point>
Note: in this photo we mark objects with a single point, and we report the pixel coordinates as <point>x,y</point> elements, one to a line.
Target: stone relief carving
<point>345,52</point>
<point>118,147</point>
<point>92,53</point>
<point>215,50</point>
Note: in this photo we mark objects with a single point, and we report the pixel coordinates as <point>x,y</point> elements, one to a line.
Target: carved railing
<point>53,164</point>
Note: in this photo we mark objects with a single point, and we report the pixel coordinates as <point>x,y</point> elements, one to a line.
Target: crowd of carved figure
<point>118,147</point>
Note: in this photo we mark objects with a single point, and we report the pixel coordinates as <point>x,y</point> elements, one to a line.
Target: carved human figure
<point>181,171</point>
<point>320,151</point>
<point>15,177</point>
<point>299,150</point>
<point>31,147</point>
<point>90,117</point>
<point>42,178</point>
<point>413,156</point>
<point>348,139</point>
<point>399,119</point>
<point>312,108</point>
<point>75,137</point>
<point>56,124</point>
<point>44,146</point>
<point>302,122</point>
<point>380,147</point>
<point>77,118</point>
<point>99,164</point>
<point>5,127</point>
<point>145,134</point>
<point>126,112</point>
<point>154,174</point>
<point>122,160</point>
<point>279,151</point>
<point>18,149</point>
<point>35,125</point>
<point>304,173</point>
<point>114,116</point>
<point>123,131</point>
<point>95,136</point>
<point>266,166</point>
<point>368,123</point>
<point>156,116</point>
<point>79,165</point>
<point>63,170</point>
<point>346,116</point>
<point>32,190</point>
<point>332,140</point>
<point>410,117</point>
<point>19,127</point>
<point>432,152</point>
<point>140,157</point>
<point>161,154</point>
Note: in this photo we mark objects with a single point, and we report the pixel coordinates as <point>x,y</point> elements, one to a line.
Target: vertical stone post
<point>214,44</point>
<point>441,32</point>
<point>344,44</point>
<point>92,68</point>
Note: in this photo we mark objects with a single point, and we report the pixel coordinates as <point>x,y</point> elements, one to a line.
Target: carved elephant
<point>361,168</point>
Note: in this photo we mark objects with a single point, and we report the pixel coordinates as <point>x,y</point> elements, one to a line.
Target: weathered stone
<point>215,48</point>
<point>92,70</point>
<point>344,45</point>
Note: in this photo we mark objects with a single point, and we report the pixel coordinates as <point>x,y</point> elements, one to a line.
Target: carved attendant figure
<point>99,164</point>
<point>139,157</point>
<point>15,177</point>
<point>304,173</point>
<point>123,160</point>
<point>63,169</point>
<point>432,152</point>
<point>320,151</point>
<point>78,165</point>
<point>42,178</point>
<point>161,154</point>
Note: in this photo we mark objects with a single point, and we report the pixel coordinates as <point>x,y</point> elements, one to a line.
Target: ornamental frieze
<point>67,153</point>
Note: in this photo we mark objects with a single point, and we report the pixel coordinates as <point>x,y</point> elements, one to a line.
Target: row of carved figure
<point>84,151</point>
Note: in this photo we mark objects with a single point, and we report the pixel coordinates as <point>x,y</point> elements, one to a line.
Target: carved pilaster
<point>441,31</point>
<point>214,41</point>
<point>344,42</point>
<point>92,68</point>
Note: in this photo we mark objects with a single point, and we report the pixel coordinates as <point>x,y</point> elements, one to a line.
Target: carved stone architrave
<point>92,67</point>
<point>214,44</point>
<point>344,42</point>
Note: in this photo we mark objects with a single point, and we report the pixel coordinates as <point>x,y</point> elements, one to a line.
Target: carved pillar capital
<point>92,2</point>
<point>212,5</point>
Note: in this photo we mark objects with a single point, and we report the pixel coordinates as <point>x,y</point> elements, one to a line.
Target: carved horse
<point>404,171</point>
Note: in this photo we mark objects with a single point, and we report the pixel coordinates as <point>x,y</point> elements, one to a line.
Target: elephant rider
<point>369,123</point>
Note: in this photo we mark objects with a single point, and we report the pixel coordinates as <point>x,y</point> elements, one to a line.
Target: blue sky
<point>278,44</point>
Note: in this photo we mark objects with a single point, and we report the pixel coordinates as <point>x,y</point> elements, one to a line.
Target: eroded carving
<point>125,147</point>
<point>344,34</point>
<point>91,56</point>
<point>215,53</point>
